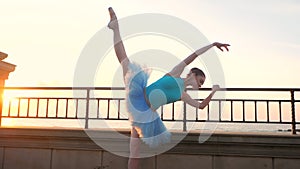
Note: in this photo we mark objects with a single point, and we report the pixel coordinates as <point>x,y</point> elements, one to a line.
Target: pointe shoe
<point>113,23</point>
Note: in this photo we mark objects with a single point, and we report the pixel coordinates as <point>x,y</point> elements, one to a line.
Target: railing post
<point>87,108</point>
<point>293,112</point>
<point>184,116</point>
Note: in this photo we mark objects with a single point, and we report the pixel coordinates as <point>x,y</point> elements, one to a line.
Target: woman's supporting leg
<point>118,43</point>
<point>135,143</point>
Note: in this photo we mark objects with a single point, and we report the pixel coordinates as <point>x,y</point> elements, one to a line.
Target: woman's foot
<point>113,24</point>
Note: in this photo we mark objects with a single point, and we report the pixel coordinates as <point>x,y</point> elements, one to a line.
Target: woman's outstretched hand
<point>215,88</point>
<point>220,45</point>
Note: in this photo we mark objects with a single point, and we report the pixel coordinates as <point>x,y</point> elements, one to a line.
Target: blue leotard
<point>166,90</point>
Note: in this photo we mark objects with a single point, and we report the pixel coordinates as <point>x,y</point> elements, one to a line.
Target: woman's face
<point>197,81</point>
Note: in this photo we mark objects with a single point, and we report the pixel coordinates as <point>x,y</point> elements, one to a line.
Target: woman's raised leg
<point>133,162</point>
<point>118,43</point>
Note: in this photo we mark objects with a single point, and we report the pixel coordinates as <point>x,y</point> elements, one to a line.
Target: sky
<point>45,38</point>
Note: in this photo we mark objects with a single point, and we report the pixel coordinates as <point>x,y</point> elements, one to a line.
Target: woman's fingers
<point>226,46</point>
<point>220,48</point>
<point>220,45</point>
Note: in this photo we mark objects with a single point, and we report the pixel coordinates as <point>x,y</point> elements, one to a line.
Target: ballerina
<point>143,101</point>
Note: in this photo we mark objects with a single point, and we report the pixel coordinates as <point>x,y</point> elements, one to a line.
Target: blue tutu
<point>147,122</point>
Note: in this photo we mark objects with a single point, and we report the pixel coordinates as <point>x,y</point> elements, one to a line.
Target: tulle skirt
<point>147,122</point>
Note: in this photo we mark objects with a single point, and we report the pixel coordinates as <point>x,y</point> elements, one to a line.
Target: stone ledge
<point>5,68</point>
<point>3,55</point>
<point>220,143</point>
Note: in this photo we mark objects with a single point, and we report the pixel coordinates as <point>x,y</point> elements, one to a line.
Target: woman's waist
<point>148,101</point>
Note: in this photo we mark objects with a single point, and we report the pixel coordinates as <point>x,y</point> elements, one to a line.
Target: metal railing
<point>246,105</point>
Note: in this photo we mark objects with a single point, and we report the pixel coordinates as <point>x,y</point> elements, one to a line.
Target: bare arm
<point>201,105</point>
<point>178,69</point>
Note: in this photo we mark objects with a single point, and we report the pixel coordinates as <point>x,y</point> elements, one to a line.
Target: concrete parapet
<point>1,156</point>
<point>113,161</point>
<point>21,158</point>
<point>286,163</point>
<point>76,159</point>
<point>29,148</point>
<point>234,162</point>
<point>180,161</point>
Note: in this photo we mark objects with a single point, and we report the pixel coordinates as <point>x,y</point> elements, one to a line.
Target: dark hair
<point>198,72</point>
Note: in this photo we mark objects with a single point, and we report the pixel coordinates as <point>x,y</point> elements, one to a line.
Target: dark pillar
<point>5,69</point>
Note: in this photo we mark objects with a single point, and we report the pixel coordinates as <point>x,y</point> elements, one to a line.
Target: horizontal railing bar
<point>250,89</point>
<point>248,100</point>
<point>62,88</point>
<point>123,88</point>
<point>110,98</point>
<point>167,120</point>
<point>260,122</point>
<point>94,118</point>
<point>66,118</point>
<point>34,117</point>
<point>69,98</point>
<point>216,121</point>
<point>41,98</point>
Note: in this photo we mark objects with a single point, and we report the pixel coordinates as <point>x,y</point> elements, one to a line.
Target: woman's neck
<point>187,81</point>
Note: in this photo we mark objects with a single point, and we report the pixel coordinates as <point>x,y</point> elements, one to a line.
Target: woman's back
<point>166,90</point>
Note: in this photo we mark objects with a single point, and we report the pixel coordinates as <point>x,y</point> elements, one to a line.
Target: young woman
<point>142,100</point>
